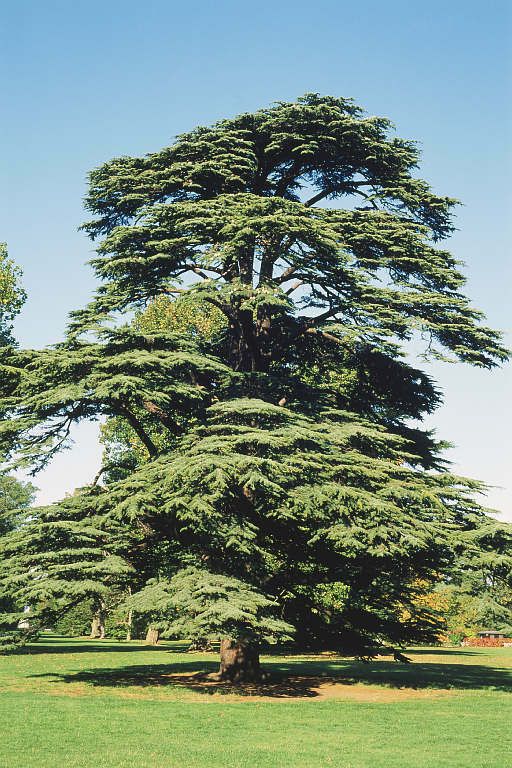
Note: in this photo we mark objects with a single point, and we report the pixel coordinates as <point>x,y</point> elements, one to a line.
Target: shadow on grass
<point>55,644</point>
<point>453,651</point>
<point>297,678</point>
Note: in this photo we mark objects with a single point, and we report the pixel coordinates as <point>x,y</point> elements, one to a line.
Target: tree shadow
<point>452,651</point>
<point>418,675</point>
<point>192,676</point>
<point>294,679</point>
<point>287,651</point>
<point>47,645</point>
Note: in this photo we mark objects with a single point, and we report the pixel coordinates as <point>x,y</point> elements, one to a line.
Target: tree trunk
<point>97,628</point>
<point>98,624</point>
<point>129,624</point>
<point>152,636</point>
<point>239,661</point>
<point>95,623</point>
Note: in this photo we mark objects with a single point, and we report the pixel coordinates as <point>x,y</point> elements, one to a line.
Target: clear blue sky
<point>85,81</point>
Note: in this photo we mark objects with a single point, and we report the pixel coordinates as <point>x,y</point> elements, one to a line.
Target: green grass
<point>113,705</point>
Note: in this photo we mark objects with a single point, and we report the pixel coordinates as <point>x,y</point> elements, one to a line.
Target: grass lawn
<point>103,704</point>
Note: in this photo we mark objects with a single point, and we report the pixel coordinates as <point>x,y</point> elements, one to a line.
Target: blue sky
<point>86,81</point>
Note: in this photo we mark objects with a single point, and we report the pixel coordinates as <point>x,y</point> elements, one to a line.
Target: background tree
<point>16,497</point>
<point>279,462</point>
<point>480,591</point>
<point>12,295</point>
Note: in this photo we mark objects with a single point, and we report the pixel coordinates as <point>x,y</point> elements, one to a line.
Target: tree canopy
<point>272,407</point>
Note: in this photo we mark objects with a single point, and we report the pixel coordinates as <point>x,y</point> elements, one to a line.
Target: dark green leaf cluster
<point>202,606</point>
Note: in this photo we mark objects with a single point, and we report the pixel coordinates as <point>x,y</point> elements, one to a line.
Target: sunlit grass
<point>111,705</point>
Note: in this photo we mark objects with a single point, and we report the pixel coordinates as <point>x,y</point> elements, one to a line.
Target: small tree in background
<point>12,295</point>
<point>16,497</point>
<point>275,457</point>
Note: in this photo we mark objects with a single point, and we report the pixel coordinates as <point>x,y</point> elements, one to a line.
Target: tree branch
<point>161,415</point>
<point>329,190</point>
<point>106,468</point>
<point>323,316</point>
<point>285,181</point>
<point>319,196</point>
<point>196,267</point>
<point>294,287</point>
<point>224,308</point>
<point>199,271</point>
<point>137,428</point>
<point>326,335</point>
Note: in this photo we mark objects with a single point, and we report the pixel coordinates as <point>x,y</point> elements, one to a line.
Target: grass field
<point>102,704</point>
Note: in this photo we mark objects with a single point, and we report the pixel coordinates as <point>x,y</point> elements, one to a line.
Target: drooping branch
<point>46,456</point>
<point>319,196</point>
<point>294,287</point>
<point>106,468</point>
<point>326,335</point>
<point>332,312</point>
<point>161,415</point>
<point>137,427</point>
<point>295,171</point>
<point>350,187</point>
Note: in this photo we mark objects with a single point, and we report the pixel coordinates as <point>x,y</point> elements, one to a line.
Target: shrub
<point>486,642</point>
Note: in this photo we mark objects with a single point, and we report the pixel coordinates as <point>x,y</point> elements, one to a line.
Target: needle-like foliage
<point>261,464</point>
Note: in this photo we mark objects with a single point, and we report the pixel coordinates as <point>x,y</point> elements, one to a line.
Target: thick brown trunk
<point>152,636</point>
<point>239,661</point>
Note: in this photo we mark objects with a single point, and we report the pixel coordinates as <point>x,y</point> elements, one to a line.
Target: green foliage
<point>76,621</point>
<point>56,559</point>
<point>229,203</point>
<point>257,408</point>
<point>474,605</point>
<point>200,605</point>
<point>15,498</point>
<point>12,296</point>
<point>125,374</point>
<point>186,315</point>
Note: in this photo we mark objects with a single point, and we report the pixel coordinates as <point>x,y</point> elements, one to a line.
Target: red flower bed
<point>487,642</point>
